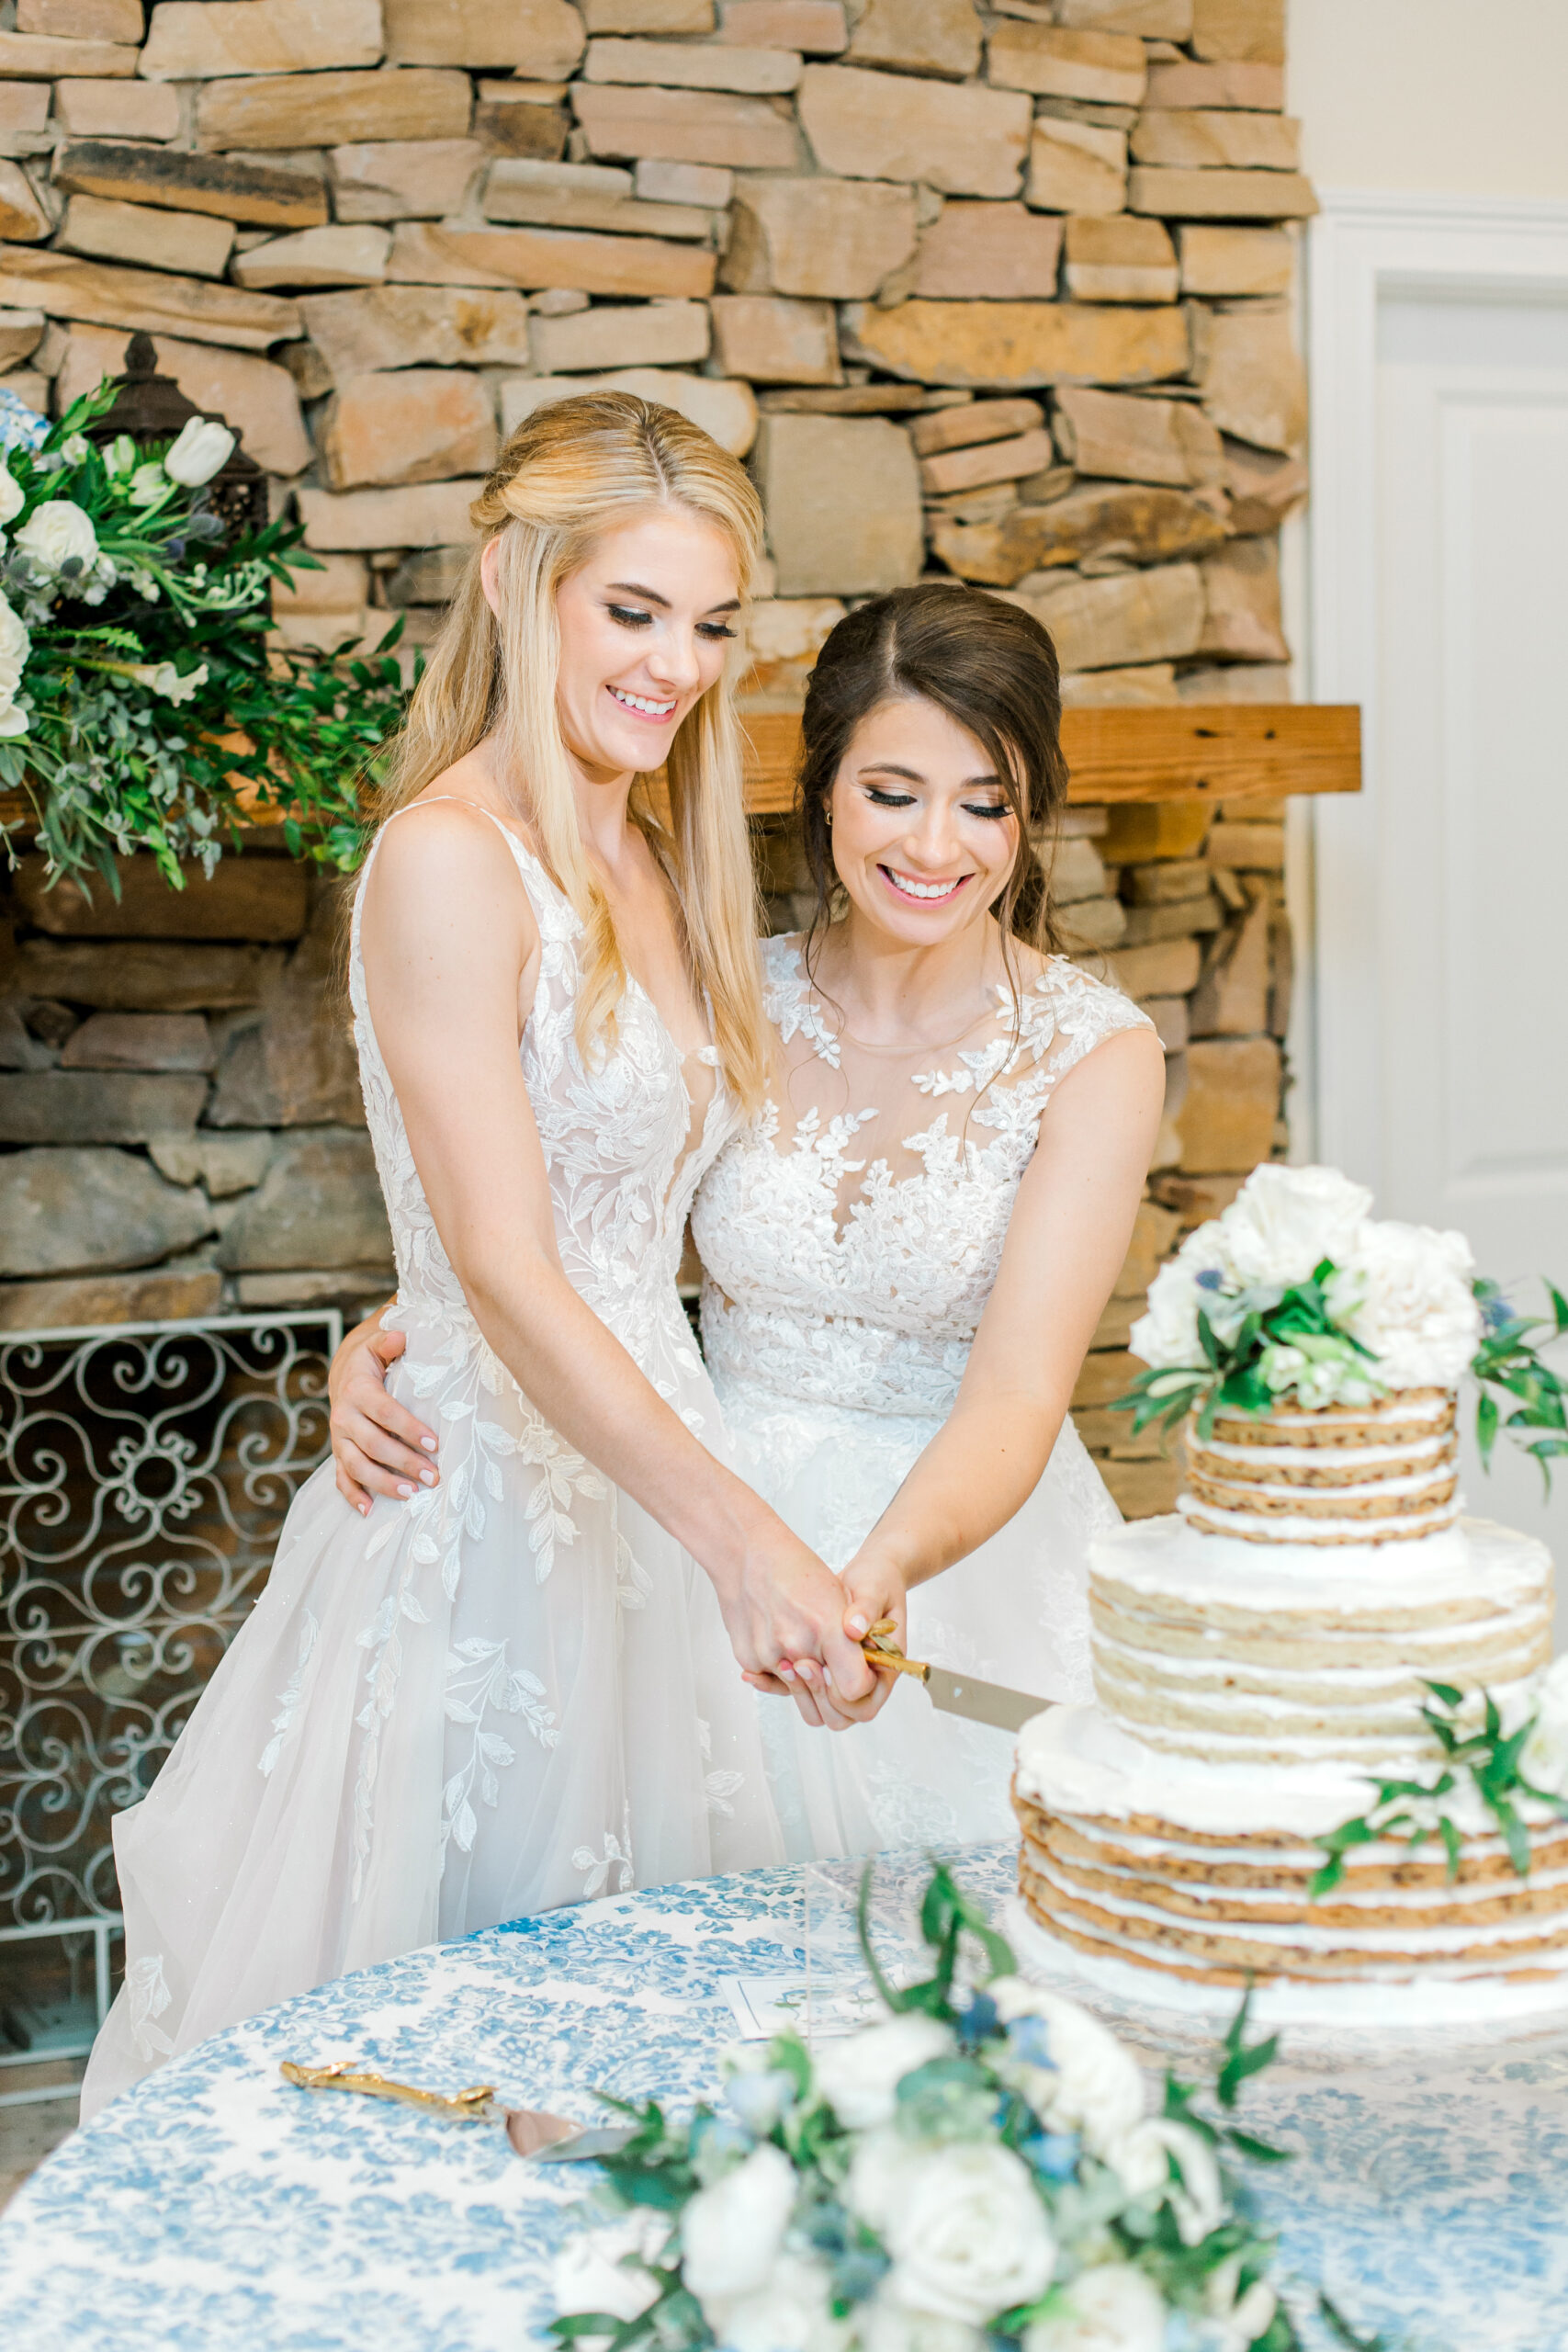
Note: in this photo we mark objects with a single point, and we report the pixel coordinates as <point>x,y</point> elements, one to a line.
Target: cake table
<point>216,2206</point>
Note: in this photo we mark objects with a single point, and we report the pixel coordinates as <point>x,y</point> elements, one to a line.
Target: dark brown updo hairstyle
<point>992,668</point>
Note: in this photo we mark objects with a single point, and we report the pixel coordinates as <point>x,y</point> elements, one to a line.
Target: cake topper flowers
<point>1296,1296</point>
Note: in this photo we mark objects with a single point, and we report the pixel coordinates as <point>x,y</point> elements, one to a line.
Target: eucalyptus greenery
<point>1486,1761</point>
<point>143,706</point>
<point>1306,1316</point>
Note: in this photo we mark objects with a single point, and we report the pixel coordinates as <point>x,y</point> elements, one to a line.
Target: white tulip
<point>859,2076</point>
<point>1141,2159</point>
<point>15,647</point>
<point>1112,2308</point>
<point>963,2221</point>
<point>591,2273</point>
<point>201,448</point>
<point>1089,2083</point>
<point>10,495</point>
<point>732,2232</point>
<point>57,532</point>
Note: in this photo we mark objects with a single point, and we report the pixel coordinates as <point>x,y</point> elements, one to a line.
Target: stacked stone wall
<point>999,293</point>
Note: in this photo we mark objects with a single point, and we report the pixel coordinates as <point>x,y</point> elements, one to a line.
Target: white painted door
<point>1442,948</point>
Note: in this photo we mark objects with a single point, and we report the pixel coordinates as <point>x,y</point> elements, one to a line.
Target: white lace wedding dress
<point>851,1236</point>
<point>515,1690</point>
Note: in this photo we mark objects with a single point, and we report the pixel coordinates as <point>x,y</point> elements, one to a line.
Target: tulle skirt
<point>514,1693</point>
<point>1015,1612</point>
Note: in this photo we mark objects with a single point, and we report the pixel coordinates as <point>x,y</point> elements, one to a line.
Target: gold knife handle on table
<point>474,2106</point>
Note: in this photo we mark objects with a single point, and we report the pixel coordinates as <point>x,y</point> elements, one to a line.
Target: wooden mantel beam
<point>1221,750</point>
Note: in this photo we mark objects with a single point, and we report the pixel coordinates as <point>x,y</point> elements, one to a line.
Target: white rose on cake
<point>1112,2308</point>
<point>1167,1334</point>
<point>1544,1758</point>
<point>1404,1292</point>
<point>1285,1221</point>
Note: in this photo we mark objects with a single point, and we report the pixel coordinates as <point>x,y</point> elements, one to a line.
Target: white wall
<point>1454,96</point>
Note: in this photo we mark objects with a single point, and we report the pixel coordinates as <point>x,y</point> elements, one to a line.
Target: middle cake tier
<point>1235,1653</point>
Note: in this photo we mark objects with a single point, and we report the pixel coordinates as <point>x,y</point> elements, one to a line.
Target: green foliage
<point>1507,1358</point>
<point>153,707</point>
<point>1486,1761</point>
<point>1231,1375</point>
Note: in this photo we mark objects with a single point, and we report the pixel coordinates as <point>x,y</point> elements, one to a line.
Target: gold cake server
<point>546,2138</point>
<point>954,1694</point>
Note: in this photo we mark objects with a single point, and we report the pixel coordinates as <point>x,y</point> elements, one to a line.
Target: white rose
<point>201,448</point>
<point>56,532</point>
<point>732,2232</point>
<point>15,647</point>
<point>859,2076</point>
<point>10,495</point>
<point>885,2326</point>
<point>1112,2308</point>
<point>1285,1221</point>
<point>963,2221</point>
<point>1405,1296</point>
<point>590,2275</point>
<point>1167,1334</point>
<point>790,2311</point>
<point>1141,2160</point>
<point>1089,2083</point>
<point>1544,1759</point>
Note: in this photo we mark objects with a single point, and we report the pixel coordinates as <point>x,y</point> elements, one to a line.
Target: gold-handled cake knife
<point>954,1694</point>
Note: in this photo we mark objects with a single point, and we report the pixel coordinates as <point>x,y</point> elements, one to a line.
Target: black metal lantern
<point>149,407</point>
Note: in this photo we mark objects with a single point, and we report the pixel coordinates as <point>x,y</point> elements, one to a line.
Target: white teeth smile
<point>913,889</point>
<point>640,702</point>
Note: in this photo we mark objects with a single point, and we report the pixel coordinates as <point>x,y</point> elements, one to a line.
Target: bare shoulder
<point>442,854</point>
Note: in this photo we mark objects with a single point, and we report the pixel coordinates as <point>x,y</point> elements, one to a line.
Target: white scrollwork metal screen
<point>145,1472</point>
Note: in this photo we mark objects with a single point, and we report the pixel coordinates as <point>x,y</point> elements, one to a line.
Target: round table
<point>216,2206</point>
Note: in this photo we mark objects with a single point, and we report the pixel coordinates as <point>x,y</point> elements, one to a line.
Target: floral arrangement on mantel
<point>973,2173</point>
<point>142,706</point>
<point>1295,1295</point>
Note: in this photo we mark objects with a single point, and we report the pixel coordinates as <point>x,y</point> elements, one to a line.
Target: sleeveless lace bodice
<point>877,1309</point>
<point>615,1134</point>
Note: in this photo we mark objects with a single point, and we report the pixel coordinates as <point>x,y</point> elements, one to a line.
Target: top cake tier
<point>1384,1473</point>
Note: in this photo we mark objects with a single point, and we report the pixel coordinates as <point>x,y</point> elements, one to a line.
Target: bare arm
<point>447,933</point>
<point>1065,1244</point>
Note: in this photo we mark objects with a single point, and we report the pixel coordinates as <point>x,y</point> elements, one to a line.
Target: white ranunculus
<point>1285,1221</point>
<point>790,2311</point>
<point>732,2232</point>
<point>1090,2084</point>
<point>590,2275</point>
<point>201,448</point>
<point>1141,2159</point>
<point>1112,2308</point>
<point>859,2076</point>
<point>1544,1759</point>
<point>56,532</point>
<point>15,647</point>
<point>963,2221</point>
<point>1405,1294</point>
<point>10,495</point>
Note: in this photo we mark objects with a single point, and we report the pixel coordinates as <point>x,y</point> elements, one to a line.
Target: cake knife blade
<point>954,1694</point>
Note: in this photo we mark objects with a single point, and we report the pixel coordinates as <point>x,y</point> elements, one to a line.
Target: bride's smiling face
<point>645,626</point>
<point>923,835</point>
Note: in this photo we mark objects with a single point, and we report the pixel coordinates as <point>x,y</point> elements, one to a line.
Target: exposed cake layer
<point>1379,1474</point>
<point>1113,1866</point>
<point>1211,1648</point>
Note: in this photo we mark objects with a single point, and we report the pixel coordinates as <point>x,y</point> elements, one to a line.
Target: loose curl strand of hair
<point>570,472</point>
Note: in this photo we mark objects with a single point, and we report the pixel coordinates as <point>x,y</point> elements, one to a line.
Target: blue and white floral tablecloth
<point>217,2208</point>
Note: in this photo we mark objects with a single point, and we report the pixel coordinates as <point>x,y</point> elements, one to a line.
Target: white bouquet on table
<point>976,2171</point>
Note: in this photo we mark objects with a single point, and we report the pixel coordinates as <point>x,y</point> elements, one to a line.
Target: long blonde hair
<point>568,473</point>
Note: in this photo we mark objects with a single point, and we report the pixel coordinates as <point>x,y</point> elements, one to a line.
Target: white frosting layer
<point>1477,1562</point>
<point>1298,1527</point>
<point>1295,1457</point>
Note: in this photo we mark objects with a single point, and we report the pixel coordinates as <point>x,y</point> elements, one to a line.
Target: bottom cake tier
<point>1141,1863</point>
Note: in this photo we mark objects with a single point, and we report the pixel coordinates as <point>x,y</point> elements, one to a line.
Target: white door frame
<point>1473,248</point>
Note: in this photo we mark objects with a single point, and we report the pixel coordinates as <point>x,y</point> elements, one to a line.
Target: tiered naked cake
<point>1261,1659</point>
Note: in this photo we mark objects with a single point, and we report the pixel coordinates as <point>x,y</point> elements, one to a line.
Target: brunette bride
<point>908,1244</point>
<point>517,1691</point>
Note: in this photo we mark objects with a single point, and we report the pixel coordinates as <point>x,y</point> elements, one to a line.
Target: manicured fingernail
<point>428,1444</point>
<point>786,1670</point>
<point>859,1624</point>
<point>404,1488</point>
<point>427,1478</point>
<point>363,1509</point>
